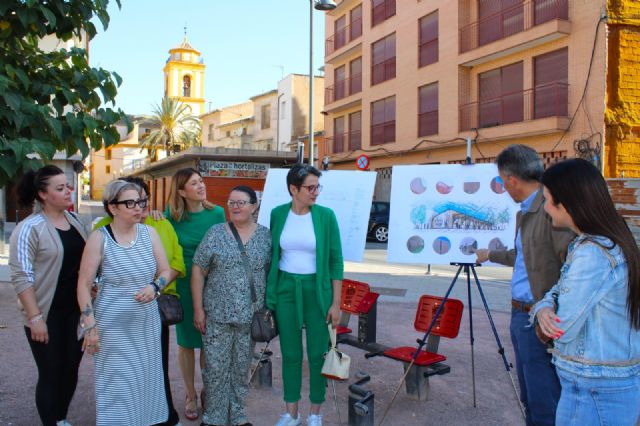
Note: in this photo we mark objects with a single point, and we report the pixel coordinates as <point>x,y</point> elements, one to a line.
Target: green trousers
<point>297,304</point>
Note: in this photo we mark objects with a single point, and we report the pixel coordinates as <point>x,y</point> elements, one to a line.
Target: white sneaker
<point>287,420</point>
<point>314,420</point>
<point>63,423</point>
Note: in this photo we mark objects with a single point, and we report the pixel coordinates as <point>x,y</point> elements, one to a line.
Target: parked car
<point>379,221</point>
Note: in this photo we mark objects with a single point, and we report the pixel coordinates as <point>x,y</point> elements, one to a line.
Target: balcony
<point>383,71</point>
<point>545,101</point>
<point>348,141</point>
<point>516,28</point>
<point>343,88</point>
<point>342,37</point>
<point>383,133</point>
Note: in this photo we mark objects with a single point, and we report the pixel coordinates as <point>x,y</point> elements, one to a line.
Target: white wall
<point>285,124</point>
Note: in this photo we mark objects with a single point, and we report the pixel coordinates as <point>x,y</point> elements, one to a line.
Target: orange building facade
<point>409,82</point>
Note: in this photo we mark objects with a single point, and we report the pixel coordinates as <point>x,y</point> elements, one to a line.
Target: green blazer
<point>329,262</point>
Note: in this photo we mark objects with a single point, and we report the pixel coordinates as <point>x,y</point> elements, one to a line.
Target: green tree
<point>173,125</point>
<point>52,101</point>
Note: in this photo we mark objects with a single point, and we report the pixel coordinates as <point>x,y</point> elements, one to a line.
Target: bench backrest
<point>447,324</point>
<point>353,292</point>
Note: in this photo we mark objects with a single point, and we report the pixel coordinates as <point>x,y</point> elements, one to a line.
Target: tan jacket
<point>35,257</point>
<point>544,247</point>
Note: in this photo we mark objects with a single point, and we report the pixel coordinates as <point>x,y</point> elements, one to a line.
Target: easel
<point>468,268</point>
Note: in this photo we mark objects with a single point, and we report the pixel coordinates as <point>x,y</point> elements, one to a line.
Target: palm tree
<point>173,124</point>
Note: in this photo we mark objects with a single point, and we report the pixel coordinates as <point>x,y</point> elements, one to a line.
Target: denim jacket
<point>598,339</point>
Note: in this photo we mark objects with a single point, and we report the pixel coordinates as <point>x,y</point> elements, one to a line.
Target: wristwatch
<point>156,288</point>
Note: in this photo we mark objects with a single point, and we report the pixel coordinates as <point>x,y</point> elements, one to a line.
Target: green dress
<point>190,232</point>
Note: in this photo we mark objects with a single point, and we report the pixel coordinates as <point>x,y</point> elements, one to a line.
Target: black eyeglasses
<point>312,188</point>
<point>239,203</point>
<point>131,204</point>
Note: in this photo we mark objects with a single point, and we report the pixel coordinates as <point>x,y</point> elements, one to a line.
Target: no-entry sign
<point>362,162</point>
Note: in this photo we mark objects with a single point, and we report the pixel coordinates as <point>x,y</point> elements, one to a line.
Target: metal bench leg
<point>416,384</point>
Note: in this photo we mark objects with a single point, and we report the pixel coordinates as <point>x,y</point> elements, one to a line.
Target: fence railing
<point>383,71</point>
<point>510,21</point>
<point>343,88</point>
<point>347,141</point>
<point>342,36</point>
<point>548,100</point>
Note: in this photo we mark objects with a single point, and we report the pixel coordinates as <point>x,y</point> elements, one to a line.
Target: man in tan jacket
<point>538,254</point>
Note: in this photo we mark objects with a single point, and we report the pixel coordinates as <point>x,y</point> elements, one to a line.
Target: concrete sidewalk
<point>450,399</point>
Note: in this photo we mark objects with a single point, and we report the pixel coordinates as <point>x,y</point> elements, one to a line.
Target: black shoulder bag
<point>263,322</point>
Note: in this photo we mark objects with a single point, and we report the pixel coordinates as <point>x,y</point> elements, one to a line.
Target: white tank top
<point>298,245</point>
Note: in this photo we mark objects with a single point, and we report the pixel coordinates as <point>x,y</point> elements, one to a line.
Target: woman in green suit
<point>304,287</point>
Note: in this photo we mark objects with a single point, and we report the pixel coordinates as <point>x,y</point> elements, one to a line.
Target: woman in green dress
<point>191,216</point>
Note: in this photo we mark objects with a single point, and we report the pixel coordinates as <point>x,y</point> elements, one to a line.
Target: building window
<point>228,133</point>
<point>107,169</point>
<point>186,86</point>
<point>383,59</point>
<point>428,110</point>
<point>340,32</point>
<point>107,154</point>
<point>339,77</point>
<point>551,88</point>
<point>355,130</point>
<point>283,110</point>
<point>355,22</point>
<point>381,10</point>
<point>501,96</point>
<point>338,134</point>
<point>265,117</point>
<point>428,49</point>
<point>383,121</point>
<point>355,76</point>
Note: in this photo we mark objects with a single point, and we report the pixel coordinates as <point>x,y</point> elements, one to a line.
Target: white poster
<point>444,213</point>
<point>348,193</point>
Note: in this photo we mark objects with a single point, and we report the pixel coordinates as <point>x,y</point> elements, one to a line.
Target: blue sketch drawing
<point>460,216</point>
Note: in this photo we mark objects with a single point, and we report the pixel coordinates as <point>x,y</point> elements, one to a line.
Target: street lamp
<point>323,5</point>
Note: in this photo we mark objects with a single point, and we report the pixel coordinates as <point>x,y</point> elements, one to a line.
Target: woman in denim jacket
<point>593,312</point>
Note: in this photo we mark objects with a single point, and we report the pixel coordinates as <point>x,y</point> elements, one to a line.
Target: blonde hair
<point>113,190</point>
<point>177,204</point>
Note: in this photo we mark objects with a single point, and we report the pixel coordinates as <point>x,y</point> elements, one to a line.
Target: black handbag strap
<point>245,260</point>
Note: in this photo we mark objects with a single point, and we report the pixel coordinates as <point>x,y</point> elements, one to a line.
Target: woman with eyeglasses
<point>225,296</point>
<point>173,251</point>
<point>45,252</point>
<point>191,216</point>
<point>593,312</point>
<point>304,287</point>
<point>123,329</point>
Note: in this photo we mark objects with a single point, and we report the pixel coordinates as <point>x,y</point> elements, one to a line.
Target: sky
<point>247,46</point>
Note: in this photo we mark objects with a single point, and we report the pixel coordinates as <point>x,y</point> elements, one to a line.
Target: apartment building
<point>408,82</point>
<point>271,121</point>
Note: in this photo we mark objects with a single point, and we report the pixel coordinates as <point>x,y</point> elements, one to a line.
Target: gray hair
<point>113,190</point>
<point>520,161</point>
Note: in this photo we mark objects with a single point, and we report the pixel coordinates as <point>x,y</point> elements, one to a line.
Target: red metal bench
<point>358,299</point>
<point>428,361</point>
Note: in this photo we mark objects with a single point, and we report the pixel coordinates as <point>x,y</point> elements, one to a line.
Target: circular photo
<point>415,244</point>
<point>443,188</point>
<point>497,244</point>
<point>468,246</point>
<point>441,245</point>
<point>471,187</point>
<point>497,185</point>
<point>417,186</point>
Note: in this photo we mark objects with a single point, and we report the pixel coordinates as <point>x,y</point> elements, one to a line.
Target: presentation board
<point>444,213</point>
<point>348,193</point>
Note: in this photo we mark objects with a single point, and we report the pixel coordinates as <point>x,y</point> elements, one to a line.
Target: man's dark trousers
<point>539,385</point>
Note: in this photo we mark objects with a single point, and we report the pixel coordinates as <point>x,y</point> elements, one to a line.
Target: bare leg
<point>315,408</point>
<point>186,359</point>
<point>292,409</point>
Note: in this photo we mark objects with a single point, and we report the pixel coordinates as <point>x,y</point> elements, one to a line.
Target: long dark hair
<point>580,188</point>
<point>33,182</point>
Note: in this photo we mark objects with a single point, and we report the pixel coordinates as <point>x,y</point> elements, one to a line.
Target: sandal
<point>191,408</point>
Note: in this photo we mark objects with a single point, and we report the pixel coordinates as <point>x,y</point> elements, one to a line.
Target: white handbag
<point>336,364</point>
